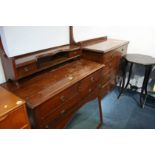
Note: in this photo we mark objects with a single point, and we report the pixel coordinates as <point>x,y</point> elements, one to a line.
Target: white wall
<point>142,39</point>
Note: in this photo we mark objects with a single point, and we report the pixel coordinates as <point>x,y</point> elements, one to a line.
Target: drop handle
<point>26,69</point>
<point>92,79</point>
<point>90,90</point>
<point>62,98</point>
<point>62,112</point>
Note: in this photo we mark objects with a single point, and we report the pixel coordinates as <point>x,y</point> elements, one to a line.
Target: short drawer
<point>16,119</point>
<point>74,53</point>
<point>106,77</point>
<point>104,88</point>
<point>26,70</point>
<point>87,85</point>
<point>108,56</point>
<point>57,101</point>
<point>122,49</point>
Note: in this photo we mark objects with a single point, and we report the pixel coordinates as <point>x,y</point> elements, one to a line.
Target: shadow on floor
<point>122,113</point>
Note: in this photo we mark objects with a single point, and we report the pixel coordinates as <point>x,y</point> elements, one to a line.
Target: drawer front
<point>106,77</point>
<point>108,56</point>
<point>88,84</point>
<point>55,115</point>
<point>15,119</point>
<point>26,70</point>
<point>104,88</point>
<point>122,49</point>
<point>56,102</point>
<point>74,53</point>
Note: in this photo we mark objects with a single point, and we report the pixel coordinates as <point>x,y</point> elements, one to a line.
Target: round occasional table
<point>148,62</point>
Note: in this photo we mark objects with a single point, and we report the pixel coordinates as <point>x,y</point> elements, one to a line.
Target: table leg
<point>143,94</point>
<point>100,113</point>
<point>129,76</point>
<point>123,68</point>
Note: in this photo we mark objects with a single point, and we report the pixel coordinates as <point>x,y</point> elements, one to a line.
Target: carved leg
<point>143,95</point>
<point>100,113</point>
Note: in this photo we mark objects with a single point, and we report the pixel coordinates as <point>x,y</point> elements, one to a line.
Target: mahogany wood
<point>67,77</point>
<point>13,114</point>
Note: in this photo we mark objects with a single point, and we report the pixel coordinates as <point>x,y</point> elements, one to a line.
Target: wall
<point>141,38</point>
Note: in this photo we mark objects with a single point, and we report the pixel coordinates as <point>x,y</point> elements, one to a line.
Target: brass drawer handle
<point>62,112</point>
<point>101,86</point>
<point>3,118</point>
<point>92,79</point>
<point>26,69</point>
<point>62,98</point>
<point>90,90</point>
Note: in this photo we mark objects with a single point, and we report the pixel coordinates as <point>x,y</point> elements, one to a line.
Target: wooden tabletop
<point>140,59</point>
<point>8,101</point>
<point>37,88</point>
<point>106,46</point>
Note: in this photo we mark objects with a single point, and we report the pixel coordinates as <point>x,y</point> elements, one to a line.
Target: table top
<point>42,87</point>
<point>140,59</point>
<point>8,101</point>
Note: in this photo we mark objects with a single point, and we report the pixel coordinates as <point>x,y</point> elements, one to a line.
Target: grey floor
<point>123,113</point>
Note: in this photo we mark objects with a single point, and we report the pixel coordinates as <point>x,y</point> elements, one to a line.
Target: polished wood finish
<point>54,94</point>
<point>108,52</point>
<point>13,114</point>
<point>56,82</point>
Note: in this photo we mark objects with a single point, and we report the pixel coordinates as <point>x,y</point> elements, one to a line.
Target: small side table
<point>148,62</point>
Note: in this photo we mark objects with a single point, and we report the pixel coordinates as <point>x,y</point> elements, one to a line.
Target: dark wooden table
<point>148,62</point>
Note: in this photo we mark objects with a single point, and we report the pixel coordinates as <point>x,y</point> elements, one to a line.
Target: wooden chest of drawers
<point>109,53</point>
<point>60,92</point>
<point>13,113</point>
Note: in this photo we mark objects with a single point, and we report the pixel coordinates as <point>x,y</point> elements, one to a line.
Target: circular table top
<point>140,59</point>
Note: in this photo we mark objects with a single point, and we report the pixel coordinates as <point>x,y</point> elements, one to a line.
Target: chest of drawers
<point>13,114</point>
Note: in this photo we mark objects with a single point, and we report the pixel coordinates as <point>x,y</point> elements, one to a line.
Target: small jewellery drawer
<point>74,53</point>
<point>26,70</point>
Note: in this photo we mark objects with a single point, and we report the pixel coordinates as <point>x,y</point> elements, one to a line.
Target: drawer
<point>15,119</point>
<point>104,88</point>
<point>55,115</point>
<point>56,102</point>
<point>108,56</point>
<point>74,53</point>
<point>106,77</point>
<point>26,70</point>
<point>122,49</point>
<point>88,84</point>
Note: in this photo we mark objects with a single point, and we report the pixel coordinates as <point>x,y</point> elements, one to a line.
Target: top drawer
<point>57,101</point>
<point>89,83</point>
<point>26,70</point>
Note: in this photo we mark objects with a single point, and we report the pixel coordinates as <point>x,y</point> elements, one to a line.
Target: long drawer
<point>57,101</point>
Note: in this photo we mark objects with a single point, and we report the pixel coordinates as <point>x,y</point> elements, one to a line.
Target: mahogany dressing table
<point>56,82</point>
